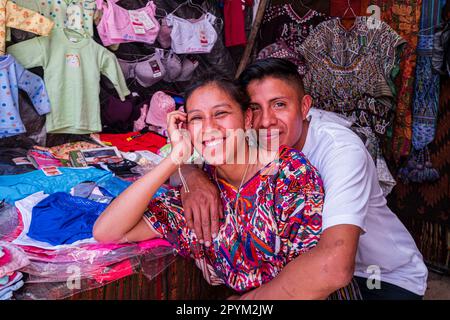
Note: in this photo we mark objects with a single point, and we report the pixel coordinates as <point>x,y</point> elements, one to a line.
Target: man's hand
<point>202,205</point>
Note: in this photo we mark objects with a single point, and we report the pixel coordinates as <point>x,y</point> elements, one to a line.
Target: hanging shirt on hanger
<point>73,14</point>
<point>282,28</point>
<point>14,16</point>
<point>281,22</point>
<point>12,78</point>
<point>350,71</point>
<point>72,68</point>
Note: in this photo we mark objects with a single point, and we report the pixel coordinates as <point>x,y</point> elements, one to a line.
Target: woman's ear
<point>248,118</point>
<point>305,105</point>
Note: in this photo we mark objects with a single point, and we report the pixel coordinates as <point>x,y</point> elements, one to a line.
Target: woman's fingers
<point>175,119</point>
<point>179,137</point>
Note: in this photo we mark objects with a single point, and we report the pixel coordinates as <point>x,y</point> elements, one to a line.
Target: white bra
<point>193,35</point>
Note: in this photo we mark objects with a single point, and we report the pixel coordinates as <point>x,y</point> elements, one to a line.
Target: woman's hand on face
<point>179,137</point>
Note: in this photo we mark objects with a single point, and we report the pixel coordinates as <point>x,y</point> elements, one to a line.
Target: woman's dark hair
<point>272,67</point>
<point>231,87</point>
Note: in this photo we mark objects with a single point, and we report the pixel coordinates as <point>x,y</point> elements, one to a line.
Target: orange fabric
<point>14,16</point>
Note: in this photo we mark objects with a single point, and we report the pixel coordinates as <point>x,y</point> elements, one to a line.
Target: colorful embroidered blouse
<point>352,72</point>
<point>283,31</point>
<point>14,16</point>
<point>277,217</point>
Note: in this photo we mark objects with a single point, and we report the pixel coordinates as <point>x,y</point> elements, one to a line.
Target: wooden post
<point>252,38</point>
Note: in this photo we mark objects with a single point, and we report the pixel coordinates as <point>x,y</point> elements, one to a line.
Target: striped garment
<point>275,218</point>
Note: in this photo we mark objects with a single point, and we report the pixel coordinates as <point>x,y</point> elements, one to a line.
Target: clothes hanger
<point>189,3</point>
<point>349,7</point>
<point>303,5</point>
<point>160,15</point>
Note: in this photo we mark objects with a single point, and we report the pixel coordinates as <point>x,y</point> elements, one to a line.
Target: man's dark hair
<point>272,67</point>
<point>231,87</point>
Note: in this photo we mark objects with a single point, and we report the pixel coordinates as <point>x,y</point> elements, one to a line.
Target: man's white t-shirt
<point>353,196</point>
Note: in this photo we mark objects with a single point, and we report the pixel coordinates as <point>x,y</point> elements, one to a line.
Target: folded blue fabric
<point>63,219</point>
<point>17,187</point>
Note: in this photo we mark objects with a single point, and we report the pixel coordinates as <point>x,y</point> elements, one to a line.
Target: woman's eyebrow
<point>213,107</point>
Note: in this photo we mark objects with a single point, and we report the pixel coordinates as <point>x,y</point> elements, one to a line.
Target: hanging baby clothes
<point>193,35</point>
<point>73,14</point>
<point>351,72</point>
<point>12,78</point>
<point>119,25</point>
<point>403,16</point>
<point>283,31</point>
<point>426,98</point>
<point>14,16</point>
<point>72,67</point>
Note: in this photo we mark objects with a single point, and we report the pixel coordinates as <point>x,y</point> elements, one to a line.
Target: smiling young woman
<point>272,211</point>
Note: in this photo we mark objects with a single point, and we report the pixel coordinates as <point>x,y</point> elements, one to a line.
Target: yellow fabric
<point>14,16</point>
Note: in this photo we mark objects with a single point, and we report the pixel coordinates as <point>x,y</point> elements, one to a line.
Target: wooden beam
<point>252,38</point>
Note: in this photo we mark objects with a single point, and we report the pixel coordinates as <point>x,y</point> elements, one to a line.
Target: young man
<point>361,237</point>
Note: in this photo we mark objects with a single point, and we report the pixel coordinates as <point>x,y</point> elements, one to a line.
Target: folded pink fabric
<point>5,256</point>
<point>18,259</point>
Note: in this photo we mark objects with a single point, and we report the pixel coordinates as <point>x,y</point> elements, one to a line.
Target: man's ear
<point>248,118</point>
<point>305,105</point>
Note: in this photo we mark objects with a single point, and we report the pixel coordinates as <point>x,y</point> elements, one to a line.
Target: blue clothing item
<point>13,76</point>
<point>17,187</point>
<point>6,293</point>
<point>64,219</point>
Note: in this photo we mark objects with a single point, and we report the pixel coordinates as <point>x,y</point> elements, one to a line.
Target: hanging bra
<point>177,69</point>
<point>146,71</point>
<point>188,67</point>
<point>192,36</point>
<point>119,25</point>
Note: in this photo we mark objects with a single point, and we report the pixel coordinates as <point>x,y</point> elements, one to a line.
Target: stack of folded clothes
<point>12,259</point>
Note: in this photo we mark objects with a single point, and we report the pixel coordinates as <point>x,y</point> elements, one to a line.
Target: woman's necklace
<point>238,194</point>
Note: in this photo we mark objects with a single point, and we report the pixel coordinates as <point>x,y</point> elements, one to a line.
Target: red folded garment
<point>134,141</point>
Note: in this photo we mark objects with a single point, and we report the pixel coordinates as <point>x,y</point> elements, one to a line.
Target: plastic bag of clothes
<point>70,269</point>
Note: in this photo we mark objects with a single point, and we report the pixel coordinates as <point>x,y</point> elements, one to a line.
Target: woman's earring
<point>251,138</point>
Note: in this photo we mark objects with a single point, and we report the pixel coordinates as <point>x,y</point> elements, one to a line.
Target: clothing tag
<point>203,38</point>
<point>74,40</point>
<point>145,19</point>
<point>21,160</point>
<point>138,26</point>
<point>51,171</point>
<point>156,69</point>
